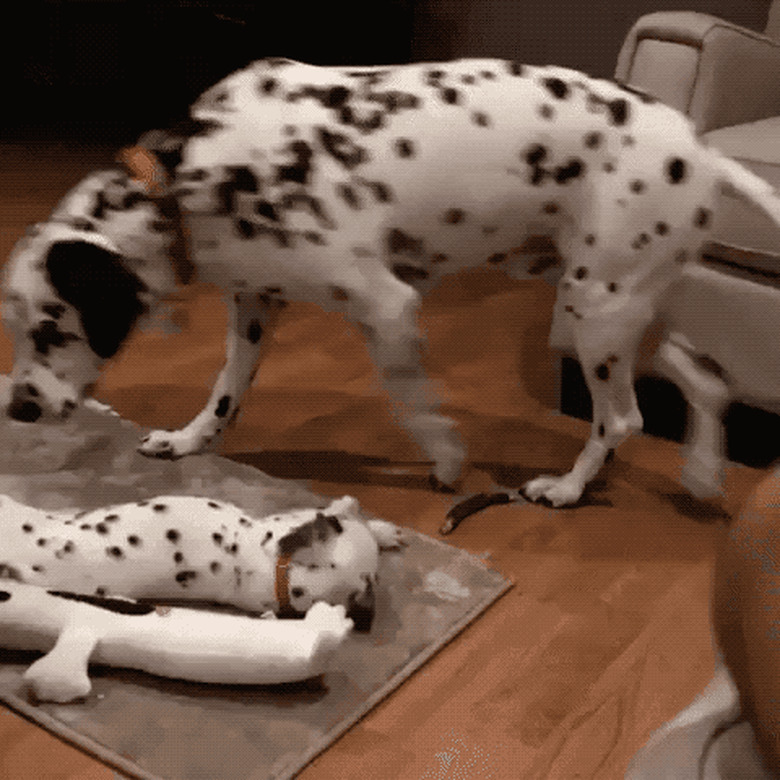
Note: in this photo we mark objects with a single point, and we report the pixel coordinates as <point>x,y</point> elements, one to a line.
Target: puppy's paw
<point>558,491</point>
<point>387,535</point>
<point>169,445</point>
<point>98,406</point>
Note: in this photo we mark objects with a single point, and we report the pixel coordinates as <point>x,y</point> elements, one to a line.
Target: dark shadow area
<point>285,694</point>
<point>752,435</point>
<point>516,476</point>
<point>694,508</point>
<point>338,467</point>
<point>110,70</point>
<point>663,408</point>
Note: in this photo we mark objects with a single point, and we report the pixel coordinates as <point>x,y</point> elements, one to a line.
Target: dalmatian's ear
<point>106,295</point>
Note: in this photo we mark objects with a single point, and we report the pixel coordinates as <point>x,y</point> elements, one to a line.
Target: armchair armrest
<point>718,73</point>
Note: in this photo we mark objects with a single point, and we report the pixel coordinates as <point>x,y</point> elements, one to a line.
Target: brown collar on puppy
<point>282,585</point>
<point>143,166</point>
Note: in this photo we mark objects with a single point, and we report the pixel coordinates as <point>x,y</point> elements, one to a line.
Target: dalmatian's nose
<point>22,407</point>
<point>24,411</point>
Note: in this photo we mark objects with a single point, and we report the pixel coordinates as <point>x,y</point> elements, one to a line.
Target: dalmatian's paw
<point>94,405</point>
<point>387,535</point>
<point>438,439</point>
<point>702,476</point>
<point>169,445</point>
<point>448,454</point>
<point>558,491</point>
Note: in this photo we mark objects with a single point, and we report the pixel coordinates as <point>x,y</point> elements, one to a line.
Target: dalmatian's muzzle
<point>24,407</point>
<point>27,405</point>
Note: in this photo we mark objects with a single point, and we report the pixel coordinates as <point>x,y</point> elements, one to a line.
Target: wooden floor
<point>606,632</point>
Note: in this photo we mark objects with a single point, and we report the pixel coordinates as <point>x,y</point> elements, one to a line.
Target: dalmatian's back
<point>428,168</point>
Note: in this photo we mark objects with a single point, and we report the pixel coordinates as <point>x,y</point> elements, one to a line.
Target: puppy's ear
<point>105,294</point>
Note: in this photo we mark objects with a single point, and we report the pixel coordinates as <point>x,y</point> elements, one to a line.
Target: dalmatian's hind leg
<point>703,386</point>
<point>388,316</point>
<point>606,347</point>
<point>250,317</point>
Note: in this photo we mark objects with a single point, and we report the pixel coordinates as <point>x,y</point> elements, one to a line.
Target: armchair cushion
<point>735,79</point>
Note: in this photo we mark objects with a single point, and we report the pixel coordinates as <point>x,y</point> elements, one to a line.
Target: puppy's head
<point>69,304</point>
<point>335,557</point>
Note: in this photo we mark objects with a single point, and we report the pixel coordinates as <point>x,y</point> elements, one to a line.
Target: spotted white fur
<point>357,189</point>
<point>184,547</point>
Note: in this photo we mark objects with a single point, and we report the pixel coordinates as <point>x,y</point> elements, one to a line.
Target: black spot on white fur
<point>702,217</point>
<point>401,243</point>
<point>47,335</point>
<point>556,87</point>
<point>223,406</point>
<point>184,577</point>
<point>404,148</point>
<point>322,528</point>
<point>299,169</point>
<point>254,332</point>
<point>676,170</point>
<point>342,148</point>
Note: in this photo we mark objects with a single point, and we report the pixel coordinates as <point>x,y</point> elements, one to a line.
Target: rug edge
<point>393,683</point>
<point>69,736</point>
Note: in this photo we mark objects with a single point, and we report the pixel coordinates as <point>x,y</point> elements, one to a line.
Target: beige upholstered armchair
<point>727,79</point>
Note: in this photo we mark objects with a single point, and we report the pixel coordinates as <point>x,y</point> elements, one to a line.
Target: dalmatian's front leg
<point>251,316</point>
<point>387,313</point>
<point>607,350</point>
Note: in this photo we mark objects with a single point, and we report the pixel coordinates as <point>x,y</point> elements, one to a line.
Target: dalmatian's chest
<point>173,547</point>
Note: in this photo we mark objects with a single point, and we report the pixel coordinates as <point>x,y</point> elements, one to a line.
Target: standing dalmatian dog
<point>358,189</point>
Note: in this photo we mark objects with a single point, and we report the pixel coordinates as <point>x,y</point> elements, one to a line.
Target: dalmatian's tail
<point>736,179</point>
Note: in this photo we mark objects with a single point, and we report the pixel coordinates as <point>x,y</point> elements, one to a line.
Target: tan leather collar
<point>143,166</point>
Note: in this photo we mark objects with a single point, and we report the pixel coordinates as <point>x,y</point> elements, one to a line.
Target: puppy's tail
<point>735,179</point>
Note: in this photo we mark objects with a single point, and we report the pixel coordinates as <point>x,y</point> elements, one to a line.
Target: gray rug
<point>150,727</point>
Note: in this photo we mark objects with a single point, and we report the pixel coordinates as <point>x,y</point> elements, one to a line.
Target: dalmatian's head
<point>69,304</point>
<point>335,559</point>
<point>72,293</point>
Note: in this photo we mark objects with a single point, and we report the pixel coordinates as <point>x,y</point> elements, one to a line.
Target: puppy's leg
<point>251,316</point>
<point>606,347</point>
<point>707,393</point>
<point>387,313</point>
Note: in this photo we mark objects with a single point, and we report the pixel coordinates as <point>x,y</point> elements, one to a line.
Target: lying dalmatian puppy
<point>184,547</point>
<point>357,189</point>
